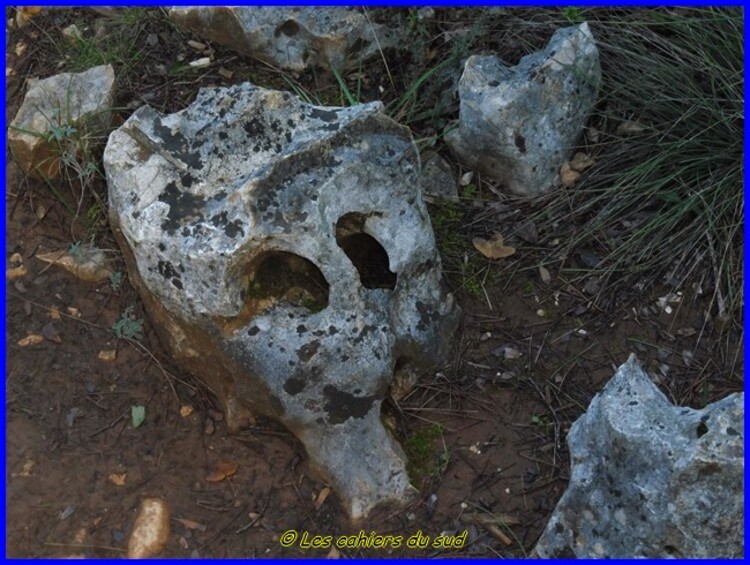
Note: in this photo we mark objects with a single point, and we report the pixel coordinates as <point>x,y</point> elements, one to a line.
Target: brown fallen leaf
<point>581,161</point>
<point>322,495</point>
<point>568,176</point>
<point>186,410</point>
<point>107,355</point>
<point>118,479</point>
<point>16,273</point>
<point>221,471</point>
<point>54,313</point>
<point>32,339</point>
<point>493,248</point>
<point>87,263</point>
<point>630,128</point>
<point>191,524</point>
<point>49,331</point>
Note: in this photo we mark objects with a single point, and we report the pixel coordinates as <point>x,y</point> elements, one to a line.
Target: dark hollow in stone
<point>366,254</point>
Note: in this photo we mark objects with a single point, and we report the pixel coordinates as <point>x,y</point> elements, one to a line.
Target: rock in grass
<point>650,479</point>
<point>291,38</point>
<point>518,124</point>
<point>56,114</point>
<point>150,530</point>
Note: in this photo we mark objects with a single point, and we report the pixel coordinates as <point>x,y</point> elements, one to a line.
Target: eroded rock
<point>518,124</point>
<point>287,258</point>
<point>291,38</point>
<point>57,112</point>
<point>650,479</point>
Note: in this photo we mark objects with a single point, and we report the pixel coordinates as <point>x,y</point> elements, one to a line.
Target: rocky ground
<point>485,434</point>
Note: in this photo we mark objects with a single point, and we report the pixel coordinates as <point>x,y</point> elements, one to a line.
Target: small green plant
<point>473,287</point>
<point>128,326</point>
<point>115,280</point>
<point>75,250</point>
<point>573,15</point>
<point>423,460</point>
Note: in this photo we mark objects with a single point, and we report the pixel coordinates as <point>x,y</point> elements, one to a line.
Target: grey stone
<point>518,124</point>
<point>650,479</point>
<point>287,258</point>
<point>291,38</point>
<point>438,181</point>
<point>70,106</point>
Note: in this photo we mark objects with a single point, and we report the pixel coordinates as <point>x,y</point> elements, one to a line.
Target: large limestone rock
<point>57,112</point>
<point>518,124</point>
<point>291,38</point>
<point>650,479</point>
<point>287,258</point>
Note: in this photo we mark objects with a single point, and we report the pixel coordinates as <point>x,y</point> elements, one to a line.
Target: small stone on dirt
<point>107,355</point>
<point>150,530</point>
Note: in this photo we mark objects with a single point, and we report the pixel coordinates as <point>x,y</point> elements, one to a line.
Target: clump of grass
<point>664,205</point>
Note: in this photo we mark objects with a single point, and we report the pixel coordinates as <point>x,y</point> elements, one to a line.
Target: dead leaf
<point>191,524</point>
<point>568,176</point>
<point>544,274</point>
<point>186,410</point>
<point>107,355</point>
<point>16,273</point>
<point>54,313</point>
<point>592,134</point>
<point>493,248</point>
<point>322,495</point>
<point>581,161</point>
<point>75,312</point>
<point>32,339</point>
<point>50,332</point>
<point>118,479</point>
<point>466,178</point>
<point>221,471</point>
<point>197,45</point>
<point>528,232</point>
<point>88,263</point>
<point>16,258</point>
<point>226,73</point>
<point>630,128</point>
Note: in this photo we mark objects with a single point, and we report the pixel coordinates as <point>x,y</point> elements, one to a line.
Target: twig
<point>258,517</point>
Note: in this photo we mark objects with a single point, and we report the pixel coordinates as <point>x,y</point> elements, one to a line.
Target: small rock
<point>650,479</point>
<point>437,180</point>
<point>292,38</point>
<point>517,125</point>
<point>150,530</point>
<point>59,105</point>
<point>485,336</point>
<point>72,33</point>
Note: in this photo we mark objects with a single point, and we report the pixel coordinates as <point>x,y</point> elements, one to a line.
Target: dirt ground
<point>486,434</point>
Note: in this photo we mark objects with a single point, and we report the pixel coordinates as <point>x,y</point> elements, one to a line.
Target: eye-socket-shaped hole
<point>278,277</point>
<point>281,277</point>
<point>366,254</point>
<point>290,28</point>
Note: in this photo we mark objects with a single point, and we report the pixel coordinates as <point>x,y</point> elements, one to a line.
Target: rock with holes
<point>291,38</point>
<point>650,479</point>
<point>59,117</point>
<point>287,258</point>
<point>517,125</point>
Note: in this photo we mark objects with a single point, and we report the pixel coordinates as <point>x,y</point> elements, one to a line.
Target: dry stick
<point>258,517</point>
<point>109,426</point>
<point>84,545</point>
